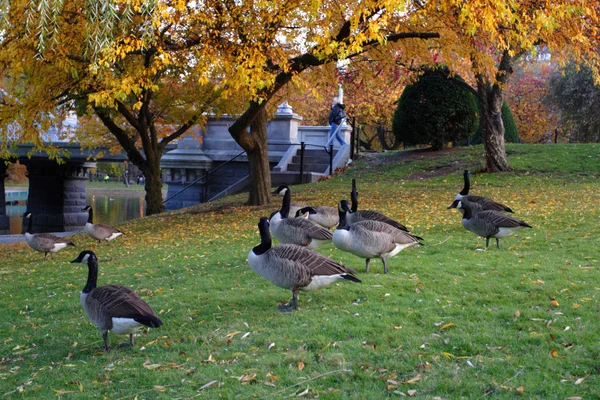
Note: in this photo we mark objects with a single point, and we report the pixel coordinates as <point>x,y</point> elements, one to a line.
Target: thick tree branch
<point>299,64</point>
<point>126,143</point>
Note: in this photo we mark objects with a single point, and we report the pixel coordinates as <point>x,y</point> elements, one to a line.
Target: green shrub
<point>435,110</point>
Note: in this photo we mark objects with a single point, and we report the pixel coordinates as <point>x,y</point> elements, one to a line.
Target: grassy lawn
<point>446,322</point>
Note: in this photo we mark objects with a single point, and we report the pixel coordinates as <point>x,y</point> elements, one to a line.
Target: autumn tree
<point>149,70</point>
<point>493,34</point>
<point>526,94</point>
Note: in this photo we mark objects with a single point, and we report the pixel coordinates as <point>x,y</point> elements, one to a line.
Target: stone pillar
<point>184,165</point>
<point>57,195</point>
<point>4,221</point>
<point>283,131</point>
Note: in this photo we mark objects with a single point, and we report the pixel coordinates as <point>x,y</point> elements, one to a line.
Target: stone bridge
<point>57,191</point>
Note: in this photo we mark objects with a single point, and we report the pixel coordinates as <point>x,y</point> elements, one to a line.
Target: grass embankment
<point>447,321</point>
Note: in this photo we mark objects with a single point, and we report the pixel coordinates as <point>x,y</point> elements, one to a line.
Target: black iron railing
<point>328,149</point>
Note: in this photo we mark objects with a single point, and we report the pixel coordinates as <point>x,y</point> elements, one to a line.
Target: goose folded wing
<point>377,216</point>
<point>47,241</point>
<point>487,204</point>
<point>107,228</point>
<point>120,302</point>
<point>312,229</point>
<point>309,261</point>
<point>499,219</point>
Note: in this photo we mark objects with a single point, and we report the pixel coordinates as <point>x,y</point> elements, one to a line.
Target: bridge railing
<point>328,149</point>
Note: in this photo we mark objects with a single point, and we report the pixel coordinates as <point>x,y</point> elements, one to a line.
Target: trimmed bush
<point>435,110</point>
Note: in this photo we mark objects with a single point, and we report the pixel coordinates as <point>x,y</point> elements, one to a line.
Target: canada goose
<point>325,216</point>
<point>478,202</point>
<point>44,242</point>
<point>294,267</point>
<point>369,239</point>
<point>357,215</point>
<point>100,232</point>
<point>113,308</point>
<point>489,223</point>
<point>294,207</point>
<point>298,231</point>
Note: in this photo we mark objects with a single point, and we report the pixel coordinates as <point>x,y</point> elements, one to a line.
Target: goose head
<point>455,204</point>
<point>304,212</point>
<point>84,257</point>
<point>281,190</point>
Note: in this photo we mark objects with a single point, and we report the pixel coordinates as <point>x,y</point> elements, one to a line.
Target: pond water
<point>108,208</point>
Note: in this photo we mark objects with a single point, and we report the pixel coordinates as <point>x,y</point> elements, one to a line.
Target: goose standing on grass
<point>294,267</point>
<point>44,242</point>
<point>113,308</point>
<point>298,231</point>
<point>480,203</point>
<point>370,239</point>
<point>325,216</point>
<point>489,223</point>
<point>99,232</point>
<point>357,215</point>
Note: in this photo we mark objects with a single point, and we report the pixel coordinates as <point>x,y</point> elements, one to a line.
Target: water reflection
<point>108,209</point>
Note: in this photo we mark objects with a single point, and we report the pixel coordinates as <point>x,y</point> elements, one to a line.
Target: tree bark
<point>153,186</point>
<point>491,97</point>
<point>258,159</point>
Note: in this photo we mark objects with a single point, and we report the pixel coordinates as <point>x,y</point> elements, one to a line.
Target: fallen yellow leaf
<point>447,326</point>
<point>554,353</point>
<point>300,365</point>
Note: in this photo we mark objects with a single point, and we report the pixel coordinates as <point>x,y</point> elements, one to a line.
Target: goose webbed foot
<point>291,306</point>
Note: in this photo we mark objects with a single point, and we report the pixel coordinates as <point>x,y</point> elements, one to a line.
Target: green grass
<point>447,321</point>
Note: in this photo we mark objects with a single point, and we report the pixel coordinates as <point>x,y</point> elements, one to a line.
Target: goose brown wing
<point>499,219</point>
<point>372,215</point>
<point>107,229</point>
<point>312,229</point>
<point>311,261</point>
<point>47,241</point>
<point>486,203</point>
<point>120,302</point>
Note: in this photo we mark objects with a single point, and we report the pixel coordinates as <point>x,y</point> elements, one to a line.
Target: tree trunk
<point>153,186</point>
<point>492,127</point>
<point>258,159</point>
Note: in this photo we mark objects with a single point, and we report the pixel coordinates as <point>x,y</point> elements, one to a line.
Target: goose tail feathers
<point>150,321</point>
<point>351,278</point>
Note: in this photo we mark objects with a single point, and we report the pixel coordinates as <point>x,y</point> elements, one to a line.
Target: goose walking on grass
<point>294,267</point>
<point>357,215</point>
<point>44,242</point>
<point>297,231</point>
<point>99,232</point>
<point>478,203</point>
<point>113,308</point>
<point>370,239</point>
<point>489,223</point>
<point>325,216</point>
